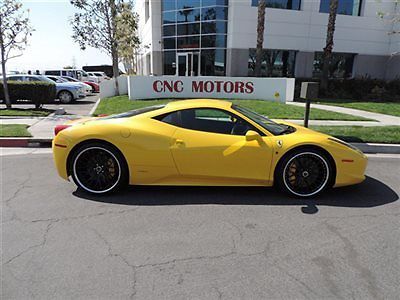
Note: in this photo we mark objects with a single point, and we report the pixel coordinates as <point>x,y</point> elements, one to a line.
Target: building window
<point>213,62</point>
<point>275,63</point>
<point>346,7</point>
<point>283,4</point>
<point>340,65</point>
<point>195,26</point>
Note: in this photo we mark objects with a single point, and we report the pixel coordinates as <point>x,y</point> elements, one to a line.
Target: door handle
<point>179,142</point>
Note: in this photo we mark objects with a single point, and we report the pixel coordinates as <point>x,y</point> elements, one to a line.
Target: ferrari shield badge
<point>279,143</point>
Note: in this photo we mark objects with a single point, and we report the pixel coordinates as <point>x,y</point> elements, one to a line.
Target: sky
<point>51,45</point>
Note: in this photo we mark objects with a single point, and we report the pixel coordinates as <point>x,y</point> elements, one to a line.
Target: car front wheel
<point>65,97</point>
<point>99,168</point>
<point>304,173</point>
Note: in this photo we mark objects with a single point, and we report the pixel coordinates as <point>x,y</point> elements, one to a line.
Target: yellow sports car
<point>202,142</point>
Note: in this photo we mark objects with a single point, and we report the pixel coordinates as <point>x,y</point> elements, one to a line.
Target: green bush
<point>362,89</point>
<point>37,92</point>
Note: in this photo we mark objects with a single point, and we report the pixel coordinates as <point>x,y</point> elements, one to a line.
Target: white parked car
<point>100,75</point>
<point>85,88</point>
<point>74,73</point>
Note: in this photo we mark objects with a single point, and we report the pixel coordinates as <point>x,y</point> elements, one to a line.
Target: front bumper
<point>350,170</point>
<point>61,149</point>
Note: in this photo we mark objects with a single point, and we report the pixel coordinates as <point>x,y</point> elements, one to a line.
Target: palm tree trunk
<point>260,36</point>
<point>333,6</point>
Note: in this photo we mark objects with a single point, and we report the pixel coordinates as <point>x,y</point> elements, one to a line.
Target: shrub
<point>36,91</point>
<point>362,89</point>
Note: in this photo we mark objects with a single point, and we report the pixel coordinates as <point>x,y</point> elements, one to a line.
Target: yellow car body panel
<point>158,153</point>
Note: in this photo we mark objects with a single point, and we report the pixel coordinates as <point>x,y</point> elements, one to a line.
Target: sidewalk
<point>42,128</point>
<point>381,119</point>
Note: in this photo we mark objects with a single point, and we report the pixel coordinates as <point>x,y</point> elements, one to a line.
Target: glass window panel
<point>213,41</point>
<point>340,65</point>
<point>168,5</point>
<point>169,62</point>
<point>169,17</point>
<point>283,4</point>
<point>181,4</point>
<point>214,13</point>
<point>188,15</point>
<point>188,42</point>
<point>275,63</point>
<point>169,43</point>
<point>346,7</point>
<point>214,2</point>
<point>213,62</point>
<point>189,29</point>
<point>169,30</point>
<point>213,27</point>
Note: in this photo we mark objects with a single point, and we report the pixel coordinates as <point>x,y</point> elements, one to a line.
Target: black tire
<point>93,90</point>
<point>89,169</point>
<point>65,97</point>
<point>304,173</point>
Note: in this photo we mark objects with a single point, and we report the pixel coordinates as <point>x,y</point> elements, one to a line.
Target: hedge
<point>37,92</point>
<point>363,89</point>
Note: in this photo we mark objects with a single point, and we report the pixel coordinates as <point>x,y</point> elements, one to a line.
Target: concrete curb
<point>368,148</point>
<point>94,107</point>
<point>25,142</point>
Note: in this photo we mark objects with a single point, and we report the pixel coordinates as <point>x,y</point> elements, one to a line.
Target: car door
<point>211,143</point>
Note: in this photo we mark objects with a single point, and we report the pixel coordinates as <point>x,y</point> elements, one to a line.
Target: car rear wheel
<point>99,168</point>
<point>65,97</point>
<point>304,173</point>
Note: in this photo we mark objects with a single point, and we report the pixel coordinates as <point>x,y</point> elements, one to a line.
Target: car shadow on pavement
<point>370,193</point>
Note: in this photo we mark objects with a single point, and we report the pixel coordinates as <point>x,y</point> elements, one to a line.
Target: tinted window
<point>345,7</point>
<point>208,120</point>
<point>15,78</point>
<point>188,15</point>
<point>283,4</point>
<point>33,79</point>
<point>52,73</point>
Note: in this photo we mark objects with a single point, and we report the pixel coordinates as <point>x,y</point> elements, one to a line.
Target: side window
<point>208,120</point>
<point>15,78</point>
<point>170,118</point>
<point>33,79</point>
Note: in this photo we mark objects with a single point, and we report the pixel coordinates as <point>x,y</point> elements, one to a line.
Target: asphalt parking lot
<point>78,107</point>
<point>197,243</point>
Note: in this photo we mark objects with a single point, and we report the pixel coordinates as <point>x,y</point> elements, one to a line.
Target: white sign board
<point>156,87</point>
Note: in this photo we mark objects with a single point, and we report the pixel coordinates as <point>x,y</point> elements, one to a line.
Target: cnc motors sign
<point>151,87</point>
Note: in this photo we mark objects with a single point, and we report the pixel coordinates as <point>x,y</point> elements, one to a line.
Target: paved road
<point>79,107</point>
<point>197,243</point>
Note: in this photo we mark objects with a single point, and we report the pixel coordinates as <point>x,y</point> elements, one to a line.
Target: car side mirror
<point>252,135</point>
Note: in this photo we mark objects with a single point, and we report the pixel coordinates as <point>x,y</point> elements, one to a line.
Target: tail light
<point>59,128</point>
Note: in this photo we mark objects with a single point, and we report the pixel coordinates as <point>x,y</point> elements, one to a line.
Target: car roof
<point>189,103</point>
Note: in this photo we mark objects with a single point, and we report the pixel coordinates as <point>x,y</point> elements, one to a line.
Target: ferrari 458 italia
<point>202,142</point>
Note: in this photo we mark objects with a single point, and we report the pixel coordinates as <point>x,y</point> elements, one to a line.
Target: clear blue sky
<point>51,45</point>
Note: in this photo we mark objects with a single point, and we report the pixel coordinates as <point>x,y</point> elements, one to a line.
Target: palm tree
<point>260,36</point>
<point>333,6</point>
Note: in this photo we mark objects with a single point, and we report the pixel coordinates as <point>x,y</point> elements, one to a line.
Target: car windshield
<point>70,79</point>
<point>60,79</point>
<point>44,78</point>
<point>135,112</point>
<point>271,126</point>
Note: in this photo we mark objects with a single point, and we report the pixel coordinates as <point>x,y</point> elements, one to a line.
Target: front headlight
<point>345,144</point>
